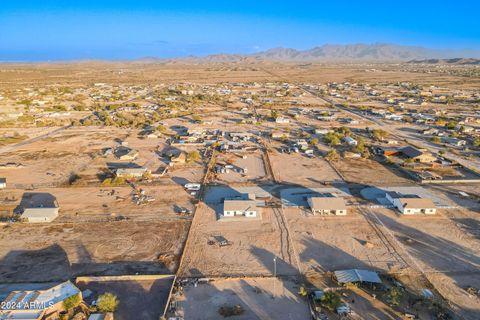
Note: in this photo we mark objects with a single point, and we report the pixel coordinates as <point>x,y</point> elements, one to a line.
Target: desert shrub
<point>229,311</point>
<point>107,302</point>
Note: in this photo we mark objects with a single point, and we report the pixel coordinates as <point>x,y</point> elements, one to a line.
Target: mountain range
<point>351,52</point>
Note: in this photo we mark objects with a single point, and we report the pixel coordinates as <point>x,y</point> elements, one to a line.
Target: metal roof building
<point>357,275</point>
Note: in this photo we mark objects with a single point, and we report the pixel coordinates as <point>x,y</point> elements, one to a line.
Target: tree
<point>160,128</point>
<point>332,139</point>
<point>451,125</point>
<point>360,147</point>
<point>332,155</point>
<point>394,296</point>
<point>72,302</point>
<point>330,300</point>
<point>344,131</point>
<point>436,140</point>
<point>379,134</point>
<point>193,156</point>
<point>274,114</point>
<point>107,302</point>
<point>476,142</point>
<point>314,142</point>
<point>196,118</point>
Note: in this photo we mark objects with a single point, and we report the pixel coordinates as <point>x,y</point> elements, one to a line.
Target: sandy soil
<point>448,253</point>
<point>61,251</point>
<point>369,172</point>
<point>254,245</point>
<point>299,169</point>
<point>334,243</point>
<point>85,204</point>
<point>80,73</point>
<point>253,295</point>
<point>253,163</point>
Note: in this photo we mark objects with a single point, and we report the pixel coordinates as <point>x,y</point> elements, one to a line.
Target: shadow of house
<point>48,264</point>
<point>255,301</point>
<point>144,299</point>
<point>266,258</point>
<point>119,165</point>
<point>36,200</point>
<point>436,252</point>
<point>179,130</point>
<point>327,257</point>
<point>180,181</point>
<point>215,195</point>
<point>472,226</point>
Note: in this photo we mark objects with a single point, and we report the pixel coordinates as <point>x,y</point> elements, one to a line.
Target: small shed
<point>3,183</point>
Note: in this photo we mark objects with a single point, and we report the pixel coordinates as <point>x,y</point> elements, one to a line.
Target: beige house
<point>234,208</point>
<point>327,206</point>
<point>418,155</point>
<point>411,204</point>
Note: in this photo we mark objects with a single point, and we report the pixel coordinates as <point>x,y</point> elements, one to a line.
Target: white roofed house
<point>327,206</point>
<point>234,208</point>
<point>38,304</point>
<point>411,204</point>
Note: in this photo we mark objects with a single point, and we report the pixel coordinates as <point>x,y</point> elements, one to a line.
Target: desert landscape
<point>244,180</point>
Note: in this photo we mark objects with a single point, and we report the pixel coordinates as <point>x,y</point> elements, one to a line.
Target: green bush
<point>72,302</point>
<point>330,300</point>
<point>107,302</point>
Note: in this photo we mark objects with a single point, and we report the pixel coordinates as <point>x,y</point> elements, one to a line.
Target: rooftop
<point>40,212</point>
<point>239,205</point>
<point>357,275</point>
<point>41,299</point>
<point>417,203</point>
<point>327,203</point>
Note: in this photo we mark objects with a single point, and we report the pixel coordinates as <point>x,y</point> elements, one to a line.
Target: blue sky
<point>75,29</point>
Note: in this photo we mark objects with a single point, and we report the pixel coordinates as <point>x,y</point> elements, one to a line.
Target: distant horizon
<point>115,30</point>
<point>460,51</point>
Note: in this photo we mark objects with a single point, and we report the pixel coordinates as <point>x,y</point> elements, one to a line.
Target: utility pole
<point>274,276</point>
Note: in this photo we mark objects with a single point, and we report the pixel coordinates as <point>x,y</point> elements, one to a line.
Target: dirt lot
<point>253,295</point>
<point>299,169</point>
<point>333,243</point>
<point>50,252</point>
<point>254,245</point>
<point>80,73</point>
<point>139,299</point>
<point>446,251</point>
<point>369,172</point>
<point>253,163</point>
<point>99,203</point>
<point>53,159</point>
